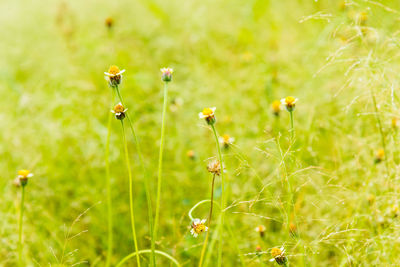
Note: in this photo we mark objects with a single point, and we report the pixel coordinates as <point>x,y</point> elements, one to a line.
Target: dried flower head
<point>289,102</point>
<point>114,76</point>
<point>198,227</point>
<point>23,176</point>
<point>119,111</point>
<point>260,229</point>
<point>214,167</point>
<point>208,115</point>
<point>166,74</point>
<point>380,155</point>
<point>226,140</point>
<point>276,107</point>
<point>109,22</point>
<point>278,255</point>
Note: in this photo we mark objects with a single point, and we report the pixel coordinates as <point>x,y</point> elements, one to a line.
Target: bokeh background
<point>239,56</point>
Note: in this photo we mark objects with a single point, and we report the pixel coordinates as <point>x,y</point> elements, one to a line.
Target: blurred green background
<point>238,56</point>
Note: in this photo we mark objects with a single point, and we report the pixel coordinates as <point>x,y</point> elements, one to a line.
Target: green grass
<point>238,56</point>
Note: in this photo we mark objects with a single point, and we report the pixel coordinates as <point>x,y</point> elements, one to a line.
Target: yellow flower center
<point>290,100</point>
<point>226,138</point>
<point>113,70</point>
<point>200,228</point>
<point>275,252</point>
<point>208,112</point>
<point>119,108</point>
<point>276,105</point>
<point>380,154</point>
<point>23,173</point>
<point>261,228</point>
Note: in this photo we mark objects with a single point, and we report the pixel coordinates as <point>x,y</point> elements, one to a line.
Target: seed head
<point>208,115</point>
<point>114,76</point>
<point>214,167</point>
<point>166,74</point>
<point>119,111</point>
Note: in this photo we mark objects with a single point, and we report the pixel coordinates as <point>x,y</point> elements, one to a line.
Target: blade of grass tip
<point>146,181</point>
<point>160,161</point>
<point>128,165</point>
<point>108,185</point>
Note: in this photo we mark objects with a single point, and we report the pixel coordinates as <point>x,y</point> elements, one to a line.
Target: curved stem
<point>222,196</point>
<point>160,161</point>
<point>146,181</point>
<point>172,259</point>
<point>198,204</point>
<point>108,185</point>
<point>203,250</point>
<point>128,165</point>
<point>21,214</point>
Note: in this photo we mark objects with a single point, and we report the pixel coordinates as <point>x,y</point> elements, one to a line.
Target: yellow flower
<point>276,107</point>
<point>198,227</point>
<point>380,155</point>
<point>23,176</point>
<point>166,74</point>
<point>208,115</point>
<point>226,140</point>
<point>260,229</point>
<point>119,111</point>
<point>278,255</point>
<point>289,102</point>
<point>395,122</point>
<point>114,76</point>
<point>109,22</point>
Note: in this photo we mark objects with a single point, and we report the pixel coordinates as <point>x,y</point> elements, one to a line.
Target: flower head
<point>166,74</point>
<point>278,255</point>
<point>119,111</point>
<point>198,227</point>
<point>214,167</point>
<point>109,22</point>
<point>114,76</point>
<point>395,122</point>
<point>276,107</point>
<point>23,176</point>
<point>226,140</point>
<point>208,115</point>
<point>191,154</point>
<point>380,155</point>
<point>260,229</point>
<point>289,102</point>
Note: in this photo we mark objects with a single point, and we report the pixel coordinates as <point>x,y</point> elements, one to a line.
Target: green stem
<point>209,222</point>
<point>108,185</point>
<point>146,182</point>
<point>222,195</point>
<point>380,130</point>
<point>172,259</point>
<point>128,165</point>
<point>291,125</point>
<point>160,162</point>
<point>21,214</point>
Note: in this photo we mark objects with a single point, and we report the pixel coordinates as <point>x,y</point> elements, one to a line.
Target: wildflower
<point>114,76</point>
<point>214,167</point>
<point>276,107</point>
<point>191,154</point>
<point>208,115</point>
<point>380,155</point>
<point>23,176</point>
<point>292,228</point>
<point>395,122</point>
<point>395,210</point>
<point>109,22</point>
<point>278,255</point>
<point>226,140</point>
<point>289,102</point>
<point>371,199</point>
<point>260,229</point>
<point>198,227</point>
<point>166,74</point>
<point>119,111</point>
<point>362,17</point>
<point>258,250</point>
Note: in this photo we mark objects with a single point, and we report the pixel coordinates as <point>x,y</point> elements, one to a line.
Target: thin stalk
<point>146,182</point>
<point>380,130</point>
<point>21,214</point>
<point>291,125</point>
<point>128,165</point>
<point>209,222</point>
<point>108,185</point>
<point>172,259</point>
<point>222,196</point>
<point>160,162</point>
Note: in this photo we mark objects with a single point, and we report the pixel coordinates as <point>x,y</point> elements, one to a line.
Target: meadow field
<point>297,165</point>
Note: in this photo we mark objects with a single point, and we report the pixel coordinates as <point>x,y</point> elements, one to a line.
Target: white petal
<point>30,175</point>
<point>203,221</point>
<point>122,71</point>
<point>201,116</point>
<point>271,260</point>
<point>213,109</point>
